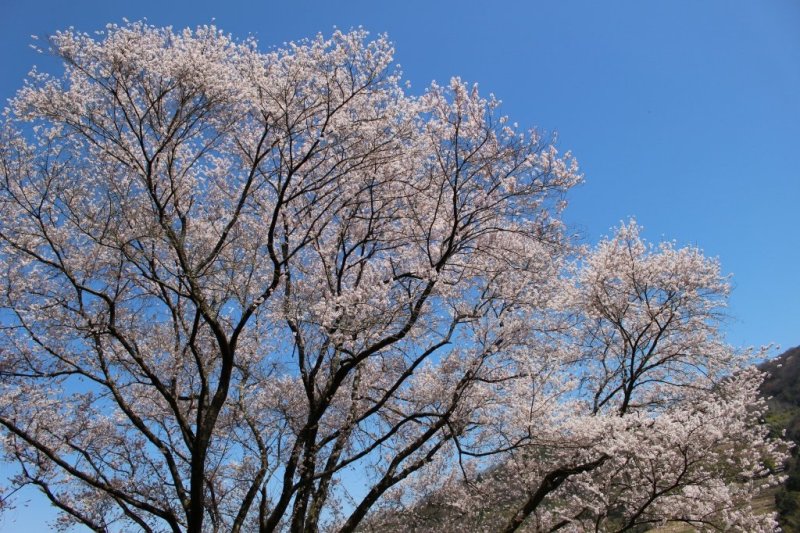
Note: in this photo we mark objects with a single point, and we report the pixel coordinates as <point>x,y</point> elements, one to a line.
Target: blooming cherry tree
<point>642,416</point>
<point>233,281</point>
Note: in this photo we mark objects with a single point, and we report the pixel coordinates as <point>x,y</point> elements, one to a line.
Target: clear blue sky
<point>682,113</point>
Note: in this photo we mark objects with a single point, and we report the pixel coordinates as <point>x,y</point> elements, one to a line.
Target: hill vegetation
<point>782,387</point>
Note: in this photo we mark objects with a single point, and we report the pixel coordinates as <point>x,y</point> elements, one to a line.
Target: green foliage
<point>788,504</point>
<point>780,417</point>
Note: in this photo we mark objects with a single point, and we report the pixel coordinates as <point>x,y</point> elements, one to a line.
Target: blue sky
<point>682,113</point>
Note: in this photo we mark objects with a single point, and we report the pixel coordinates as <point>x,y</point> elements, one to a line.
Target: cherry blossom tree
<point>248,291</point>
<point>643,415</point>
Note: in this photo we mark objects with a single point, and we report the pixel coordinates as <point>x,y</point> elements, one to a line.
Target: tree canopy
<point>268,291</point>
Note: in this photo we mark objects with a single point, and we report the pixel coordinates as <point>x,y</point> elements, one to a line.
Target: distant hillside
<point>782,387</point>
<point>782,383</point>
